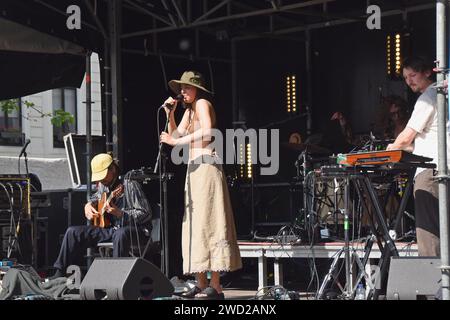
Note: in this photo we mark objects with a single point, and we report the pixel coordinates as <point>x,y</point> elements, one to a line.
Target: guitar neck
<point>111,196</point>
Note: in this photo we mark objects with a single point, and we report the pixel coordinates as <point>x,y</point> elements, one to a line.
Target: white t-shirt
<point>424,121</point>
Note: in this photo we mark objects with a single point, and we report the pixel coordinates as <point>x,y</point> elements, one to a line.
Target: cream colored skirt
<point>209,240</point>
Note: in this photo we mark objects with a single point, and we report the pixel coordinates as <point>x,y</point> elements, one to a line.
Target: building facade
<point>46,152</point>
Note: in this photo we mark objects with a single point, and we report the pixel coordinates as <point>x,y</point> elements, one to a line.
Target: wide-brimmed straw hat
<point>99,165</point>
<point>192,78</point>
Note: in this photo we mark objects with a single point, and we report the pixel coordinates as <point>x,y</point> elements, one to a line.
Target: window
<point>64,99</point>
<point>11,123</point>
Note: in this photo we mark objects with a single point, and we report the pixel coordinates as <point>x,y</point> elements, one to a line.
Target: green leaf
<point>9,105</point>
<point>57,118</point>
<point>28,104</point>
<point>60,117</point>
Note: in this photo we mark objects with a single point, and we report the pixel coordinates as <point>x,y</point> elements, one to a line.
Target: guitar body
<point>102,221</point>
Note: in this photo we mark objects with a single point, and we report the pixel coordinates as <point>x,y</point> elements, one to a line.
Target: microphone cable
<point>12,221</point>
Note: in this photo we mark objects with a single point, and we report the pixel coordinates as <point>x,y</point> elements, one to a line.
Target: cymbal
<point>311,148</point>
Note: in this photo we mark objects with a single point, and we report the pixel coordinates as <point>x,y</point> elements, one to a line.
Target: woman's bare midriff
<point>199,148</point>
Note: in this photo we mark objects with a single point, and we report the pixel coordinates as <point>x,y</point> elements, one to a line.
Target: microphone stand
<point>26,161</point>
<point>160,167</point>
<point>158,159</point>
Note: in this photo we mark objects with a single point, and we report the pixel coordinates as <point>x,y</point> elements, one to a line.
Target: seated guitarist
<point>127,212</point>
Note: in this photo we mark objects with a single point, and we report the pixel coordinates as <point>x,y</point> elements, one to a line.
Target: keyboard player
<point>421,130</point>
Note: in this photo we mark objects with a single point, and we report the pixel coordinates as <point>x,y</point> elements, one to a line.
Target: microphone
<point>177,98</point>
<point>27,142</point>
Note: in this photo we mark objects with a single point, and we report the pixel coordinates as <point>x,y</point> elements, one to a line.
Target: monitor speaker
<point>413,278</point>
<point>124,279</point>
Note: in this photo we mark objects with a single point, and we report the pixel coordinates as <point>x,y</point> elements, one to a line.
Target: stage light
<point>241,157</point>
<point>291,94</point>
<point>249,161</point>
<point>395,48</point>
<point>288,94</point>
<point>388,54</point>
<point>398,57</point>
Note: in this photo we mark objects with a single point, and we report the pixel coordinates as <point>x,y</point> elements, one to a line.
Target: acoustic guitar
<point>103,220</point>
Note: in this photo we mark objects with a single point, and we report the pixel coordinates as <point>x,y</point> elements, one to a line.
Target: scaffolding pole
<point>88,142</point>
<point>442,146</point>
<point>115,29</point>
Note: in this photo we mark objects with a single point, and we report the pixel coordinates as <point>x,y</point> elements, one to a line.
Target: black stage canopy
<point>38,51</point>
<point>155,27</point>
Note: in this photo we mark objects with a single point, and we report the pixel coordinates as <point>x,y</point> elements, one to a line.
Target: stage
<point>278,252</point>
<point>303,87</point>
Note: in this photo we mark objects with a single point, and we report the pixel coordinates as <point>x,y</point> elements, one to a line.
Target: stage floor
<point>248,294</point>
<point>277,252</point>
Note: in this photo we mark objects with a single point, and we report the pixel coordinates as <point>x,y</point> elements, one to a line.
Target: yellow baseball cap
<point>99,166</point>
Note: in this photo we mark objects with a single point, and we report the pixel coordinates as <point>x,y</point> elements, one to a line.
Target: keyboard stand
<point>360,178</point>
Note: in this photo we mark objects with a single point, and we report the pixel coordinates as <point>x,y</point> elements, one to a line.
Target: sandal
<point>191,293</point>
<point>210,294</point>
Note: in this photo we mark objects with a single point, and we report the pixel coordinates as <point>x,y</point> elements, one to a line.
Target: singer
<point>209,242</point>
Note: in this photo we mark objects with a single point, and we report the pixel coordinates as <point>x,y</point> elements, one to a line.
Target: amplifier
<point>333,171</point>
<point>15,194</point>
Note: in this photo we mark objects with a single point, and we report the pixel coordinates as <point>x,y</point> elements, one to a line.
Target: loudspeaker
<point>124,279</point>
<point>275,205</point>
<point>67,210</point>
<point>413,278</point>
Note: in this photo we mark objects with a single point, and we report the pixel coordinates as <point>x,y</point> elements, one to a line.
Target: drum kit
<point>321,199</point>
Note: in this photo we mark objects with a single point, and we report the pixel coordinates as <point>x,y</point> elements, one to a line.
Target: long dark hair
<point>200,94</point>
